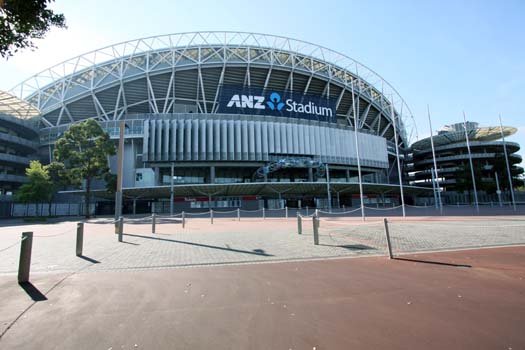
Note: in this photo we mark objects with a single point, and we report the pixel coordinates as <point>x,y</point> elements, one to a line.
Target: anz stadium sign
<point>239,100</point>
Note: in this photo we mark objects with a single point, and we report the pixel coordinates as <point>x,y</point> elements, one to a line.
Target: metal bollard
<point>306,210</point>
<point>388,239</point>
<point>286,212</point>
<point>263,213</point>
<point>120,228</point>
<point>24,264</point>
<point>153,222</point>
<point>315,223</point>
<point>299,224</point>
<point>80,238</point>
<point>183,219</point>
<point>211,216</point>
<point>238,214</point>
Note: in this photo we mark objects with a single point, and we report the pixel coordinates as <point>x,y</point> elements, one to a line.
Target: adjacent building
<point>453,167</point>
<point>18,141</point>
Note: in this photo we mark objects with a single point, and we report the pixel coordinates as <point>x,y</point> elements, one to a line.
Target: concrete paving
<point>248,241</point>
<point>430,301</point>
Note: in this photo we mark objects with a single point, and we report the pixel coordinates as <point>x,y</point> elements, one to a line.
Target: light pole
<point>171,188</point>
<point>509,174</point>
<point>394,122</point>
<point>328,194</point>
<point>436,178</point>
<point>120,170</point>
<point>471,164</point>
<point>360,179</point>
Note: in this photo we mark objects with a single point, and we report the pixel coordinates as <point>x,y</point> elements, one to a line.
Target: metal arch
<point>282,51</point>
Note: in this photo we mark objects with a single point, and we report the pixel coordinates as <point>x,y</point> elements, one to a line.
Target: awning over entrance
<point>267,189</point>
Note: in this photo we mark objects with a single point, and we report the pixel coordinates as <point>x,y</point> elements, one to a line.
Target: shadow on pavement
<point>433,262</point>
<point>127,234</point>
<point>32,291</point>
<point>93,261</point>
<point>349,246</point>
<point>259,252</point>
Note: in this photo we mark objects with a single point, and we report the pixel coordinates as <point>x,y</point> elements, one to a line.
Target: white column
<point>145,141</point>
<point>224,139</point>
<point>509,174</point>
<point>202,139</point>
<point>436,178</point>
<point>357,154</point>
<point>394,122</point>
<point>471,164</point>
<point>238,140</point>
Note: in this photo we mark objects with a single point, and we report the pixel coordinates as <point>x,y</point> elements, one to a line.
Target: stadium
<point>228,119</point>
<point>488,152</point>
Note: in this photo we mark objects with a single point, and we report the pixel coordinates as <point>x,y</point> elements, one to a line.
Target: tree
<point>464,179</point>
<point>22,21</point>
<point>84,151</point>
<point>38,189</point>
<point>58,177</point>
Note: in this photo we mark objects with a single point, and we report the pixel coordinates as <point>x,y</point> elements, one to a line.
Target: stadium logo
<point>276,104</point>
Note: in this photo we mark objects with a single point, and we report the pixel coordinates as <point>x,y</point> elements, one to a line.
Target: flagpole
<point>435,163</point>
<point>397,154</point>
<point>356,120</point>
<point>508,166</point>
<point>471,164</point>
<point>434,187</point>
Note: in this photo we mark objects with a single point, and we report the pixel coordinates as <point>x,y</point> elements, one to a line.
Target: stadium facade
<point>487,150</point>
<point>18,141</point>
<point>225,118</point>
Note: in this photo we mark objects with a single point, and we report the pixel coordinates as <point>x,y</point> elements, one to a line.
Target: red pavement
<point>358,303</point>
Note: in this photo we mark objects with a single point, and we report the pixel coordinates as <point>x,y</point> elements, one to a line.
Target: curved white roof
<point>67,81</point>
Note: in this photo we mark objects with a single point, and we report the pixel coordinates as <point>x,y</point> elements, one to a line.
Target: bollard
<point>183,219</point>
<point>153,222</point>
<point>238,214</point>
<point>388,239</point>
<point>263,213</point>
<point>120,228</point>
<point>24,264</point>
<point>286,212</point>
<point>315,224</point>
<point>306,210</point>
<point>211,216</point>
<point>80,238</point>
<point>299,224</point>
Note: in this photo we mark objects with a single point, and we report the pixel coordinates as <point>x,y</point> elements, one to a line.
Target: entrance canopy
<point>267,189</point>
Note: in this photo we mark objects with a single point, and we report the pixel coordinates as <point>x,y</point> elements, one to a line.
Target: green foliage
<point>21,21</point>
<point>111,183</point>
<point>39,187</point>
<point>84,151</point>
<point>464,178</point>
<point>57,174</point>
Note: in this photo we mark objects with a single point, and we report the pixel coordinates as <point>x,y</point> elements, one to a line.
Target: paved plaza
<point>208,286</point>
<point>249,240</point>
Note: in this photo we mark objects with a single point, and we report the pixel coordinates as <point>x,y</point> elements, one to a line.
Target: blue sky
<point>452,55</point>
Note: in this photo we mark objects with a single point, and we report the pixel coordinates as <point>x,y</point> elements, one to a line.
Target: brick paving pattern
<point>250,240</point>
